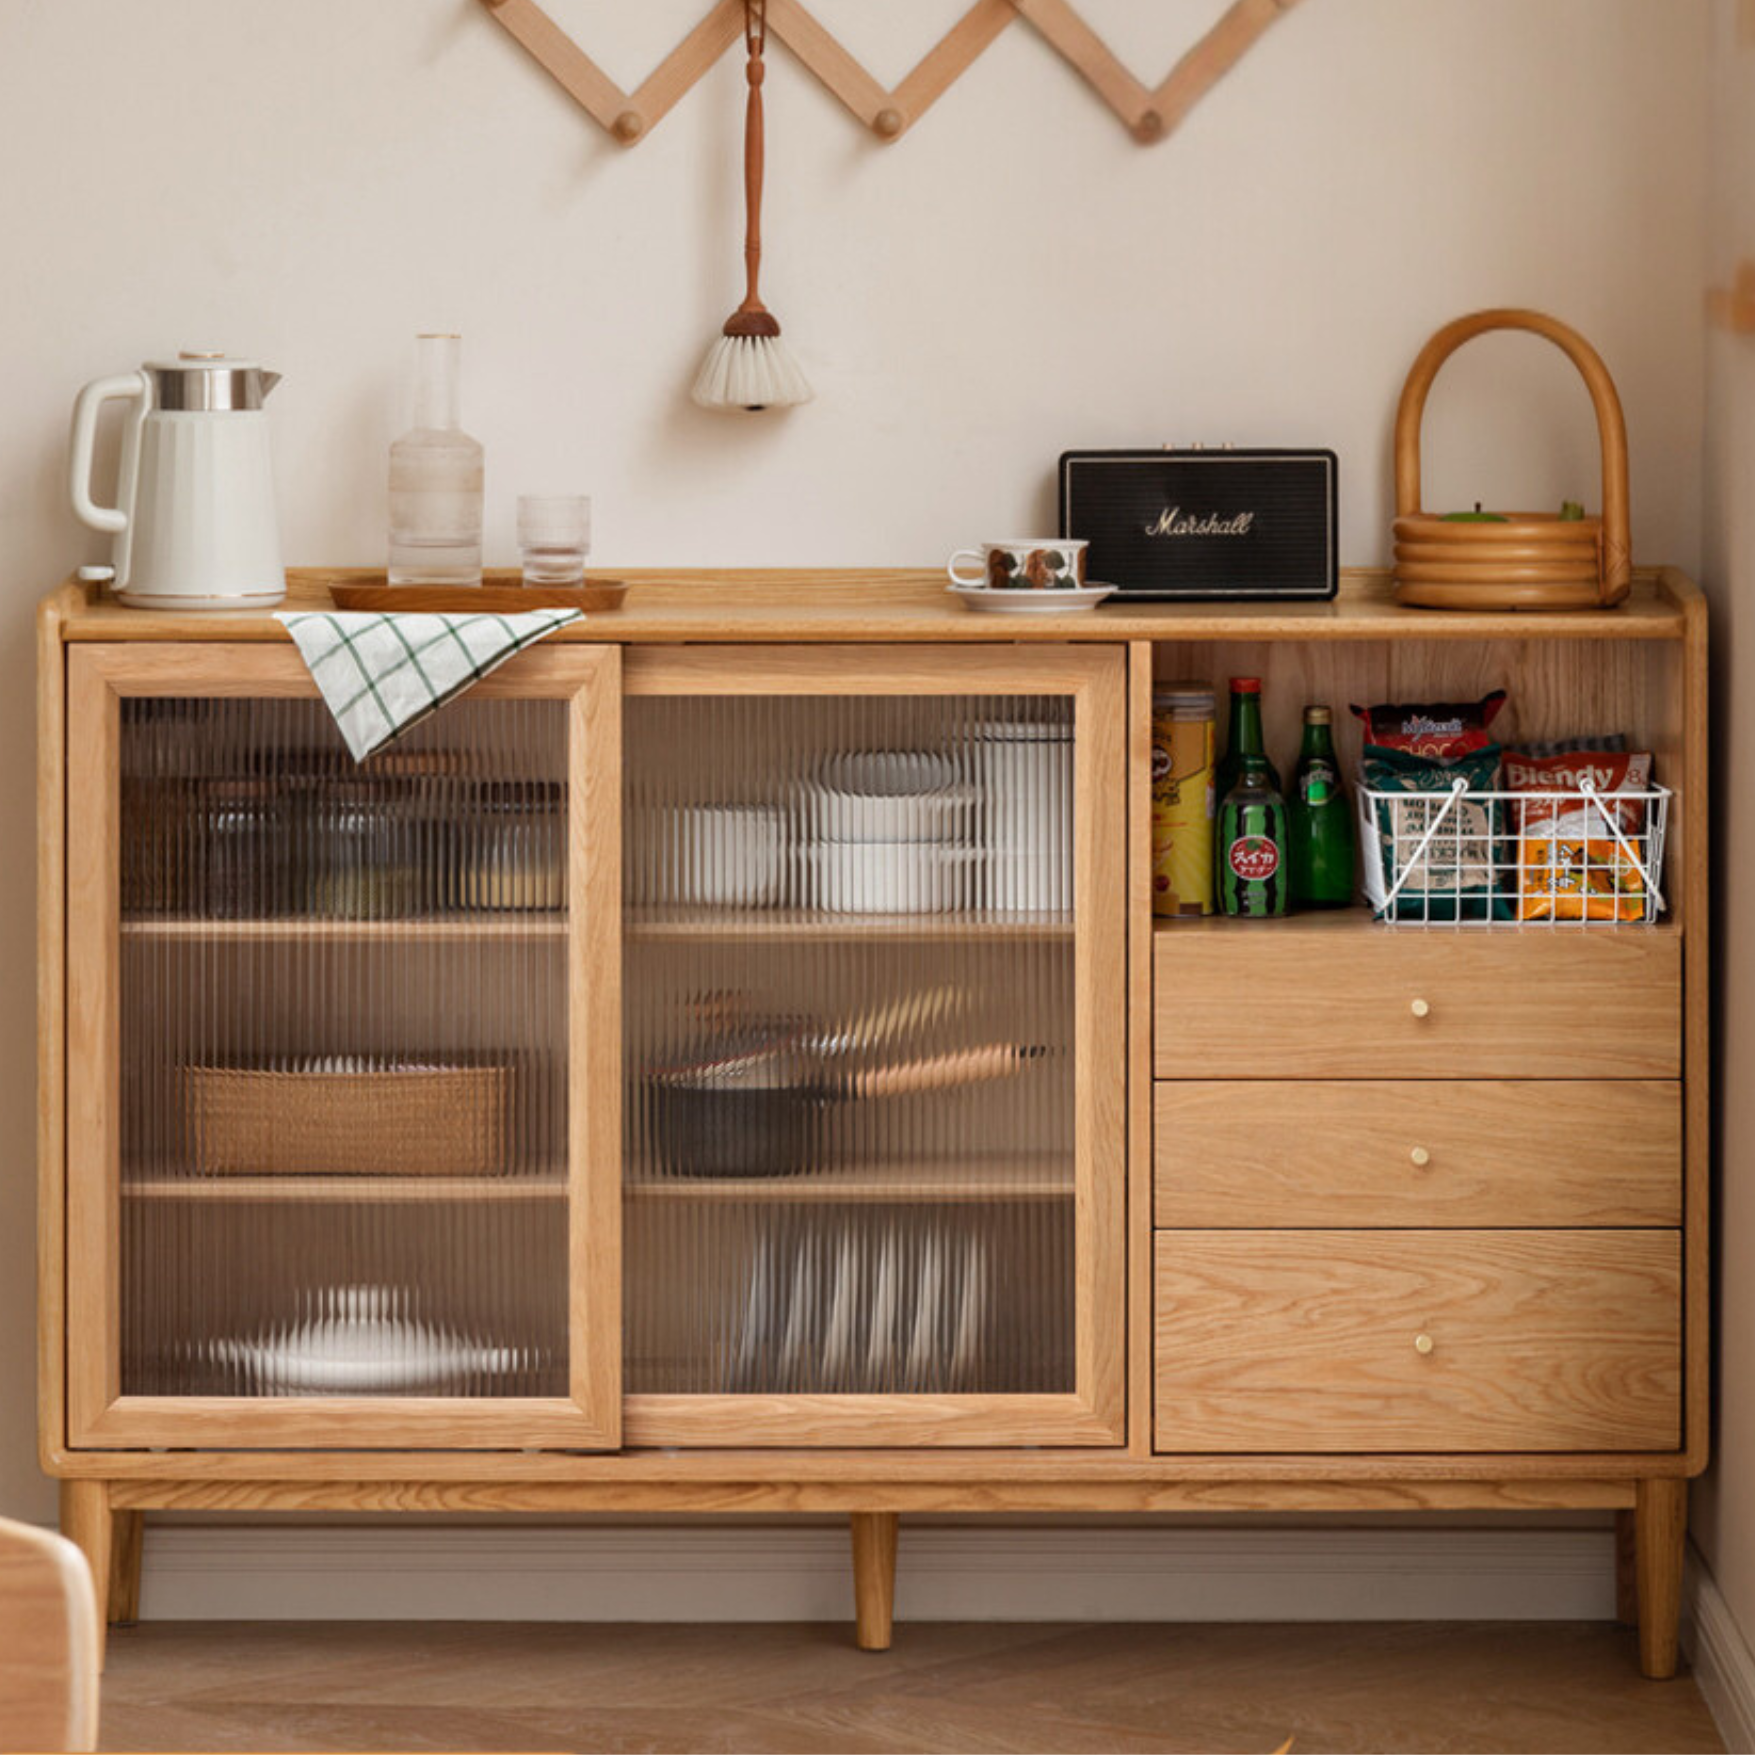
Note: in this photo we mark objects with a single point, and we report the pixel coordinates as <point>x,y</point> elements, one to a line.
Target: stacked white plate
<point>891,832</point>
<point>848,1309</point>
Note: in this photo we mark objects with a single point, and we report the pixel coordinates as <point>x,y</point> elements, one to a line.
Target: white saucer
<point>1061,602</point>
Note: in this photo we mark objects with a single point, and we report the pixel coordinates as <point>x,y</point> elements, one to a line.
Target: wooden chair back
<point>49,1642</point>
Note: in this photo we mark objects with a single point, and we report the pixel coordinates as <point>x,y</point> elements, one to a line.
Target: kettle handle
<point>132,385</point>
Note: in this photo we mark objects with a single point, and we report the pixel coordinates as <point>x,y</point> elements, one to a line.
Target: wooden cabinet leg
<point>1626,1572</point>
<point>129,1537</point>
<point>874,1577</point>
<point>88,1522</point>
<point>1659,1535</point>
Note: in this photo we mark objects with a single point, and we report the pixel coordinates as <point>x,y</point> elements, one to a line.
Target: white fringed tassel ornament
<point>749,367</point>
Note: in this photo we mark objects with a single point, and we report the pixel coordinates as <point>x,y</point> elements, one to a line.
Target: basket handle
<point>1616,560</point>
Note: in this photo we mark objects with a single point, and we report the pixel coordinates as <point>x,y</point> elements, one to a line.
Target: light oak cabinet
<point>726,1062</point>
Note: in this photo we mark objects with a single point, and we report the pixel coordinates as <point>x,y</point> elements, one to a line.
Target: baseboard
<point>1724,1666</point>
<point>764,1572</point>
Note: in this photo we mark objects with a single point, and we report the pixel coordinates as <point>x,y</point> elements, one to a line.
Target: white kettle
<point>194,519</point>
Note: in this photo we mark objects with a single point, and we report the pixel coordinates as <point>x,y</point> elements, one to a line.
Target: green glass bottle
<point>1252,845</point>
<point>1243,738</point>
<point>1319,822</point>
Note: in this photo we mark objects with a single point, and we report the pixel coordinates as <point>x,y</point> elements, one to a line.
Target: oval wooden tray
<point>594,594</point>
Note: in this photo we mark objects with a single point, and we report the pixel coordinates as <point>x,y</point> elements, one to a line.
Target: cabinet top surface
<point>909,604</point>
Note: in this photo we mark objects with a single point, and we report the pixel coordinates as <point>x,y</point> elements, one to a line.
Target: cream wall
<point>310,183</point>
<point>1724,1503</point>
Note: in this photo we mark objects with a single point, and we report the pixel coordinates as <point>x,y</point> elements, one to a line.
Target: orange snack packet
<point>1570,863</point>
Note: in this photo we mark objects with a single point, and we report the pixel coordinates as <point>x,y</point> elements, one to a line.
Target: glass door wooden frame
<point>1094,681</point>
<point>99,677</point>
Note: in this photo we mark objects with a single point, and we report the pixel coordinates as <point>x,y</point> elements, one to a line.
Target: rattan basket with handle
<point>1524,560</point>
<point>340,1117</point>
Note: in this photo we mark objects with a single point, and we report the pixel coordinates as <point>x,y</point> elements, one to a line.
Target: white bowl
<point>889,877</point>
<point>889,795</point>
<point>719,855</point>
<point>888,773</point>
<point>863,817</point>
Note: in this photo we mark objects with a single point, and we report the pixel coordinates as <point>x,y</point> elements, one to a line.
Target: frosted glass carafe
<point>436,479</point>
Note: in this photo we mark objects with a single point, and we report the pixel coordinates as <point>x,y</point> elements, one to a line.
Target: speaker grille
<point>1198,524</point>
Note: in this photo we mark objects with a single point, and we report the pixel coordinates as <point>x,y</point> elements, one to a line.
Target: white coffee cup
<point>1024,563</point>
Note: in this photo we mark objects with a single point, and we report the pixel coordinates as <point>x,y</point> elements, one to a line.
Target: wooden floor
<point>963,1686</point>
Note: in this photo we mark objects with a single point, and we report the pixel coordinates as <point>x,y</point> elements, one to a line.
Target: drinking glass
<point>554,537</point>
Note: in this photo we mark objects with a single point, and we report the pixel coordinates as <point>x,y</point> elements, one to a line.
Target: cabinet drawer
<point>1292,1000</point>
<point>1417,1340</point>
<point>1418,1152</point>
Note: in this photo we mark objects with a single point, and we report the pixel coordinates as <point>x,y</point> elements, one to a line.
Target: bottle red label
<point>1254,858</point>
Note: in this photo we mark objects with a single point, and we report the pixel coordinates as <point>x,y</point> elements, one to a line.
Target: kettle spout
<point>269,380</point>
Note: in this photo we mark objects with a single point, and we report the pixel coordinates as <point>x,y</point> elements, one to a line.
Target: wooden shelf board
<point>938,1182</point>
<point>1331,921</point>
<point>510,926</point>
<point>668,606</point>
<point>346,1190</point>
<point>708,926</point>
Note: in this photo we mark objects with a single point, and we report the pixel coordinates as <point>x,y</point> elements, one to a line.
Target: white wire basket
<point>1577,857</point>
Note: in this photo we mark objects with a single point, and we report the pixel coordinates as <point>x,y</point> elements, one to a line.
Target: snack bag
<point>1570,864</point>
<point>1440,731</point>
<point>1455,875</point>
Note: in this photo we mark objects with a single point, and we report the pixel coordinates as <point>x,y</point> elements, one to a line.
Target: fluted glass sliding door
<point>343,1058</point>
<point>873,1047</point>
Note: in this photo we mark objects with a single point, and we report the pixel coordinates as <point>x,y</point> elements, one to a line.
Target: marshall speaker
<point>1173,525</point>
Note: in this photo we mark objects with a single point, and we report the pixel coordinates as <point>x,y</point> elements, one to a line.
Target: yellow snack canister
<point>1182,799</point>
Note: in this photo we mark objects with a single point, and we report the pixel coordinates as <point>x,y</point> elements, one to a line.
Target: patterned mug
<point>1024,563</point>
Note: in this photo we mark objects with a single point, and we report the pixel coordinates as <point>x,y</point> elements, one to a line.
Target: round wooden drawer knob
<point>1423,1344</point>
<point>1421,1157</point>
<point>1420,1008</point>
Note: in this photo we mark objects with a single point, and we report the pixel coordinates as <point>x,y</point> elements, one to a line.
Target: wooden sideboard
<point>1068,1210</point>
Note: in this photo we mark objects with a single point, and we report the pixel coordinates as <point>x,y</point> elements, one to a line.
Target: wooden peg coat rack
<point>1150,113</point>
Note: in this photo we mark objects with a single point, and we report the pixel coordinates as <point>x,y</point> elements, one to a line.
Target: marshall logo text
<point>1172,522</point>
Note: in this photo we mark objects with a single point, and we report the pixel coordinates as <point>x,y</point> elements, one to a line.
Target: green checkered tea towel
<point>381,674</point>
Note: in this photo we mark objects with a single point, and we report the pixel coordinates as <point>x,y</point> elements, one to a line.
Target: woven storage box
<point>367,1118</point>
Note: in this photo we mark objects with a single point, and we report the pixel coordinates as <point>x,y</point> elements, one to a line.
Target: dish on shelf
<point>881,1329</point>
<point>843,1310</point>
<point>363,1343</point>
<point>890,877</point>
<point>848,1309</point>
<point>971,1313</point>
<point>1057,602</point>
<point>926,1344</point>
<point>802,1312</point>
<point>716,855</point>
<point>348,1115</point>
<point>889,796</point>
<point>752,1336</point>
